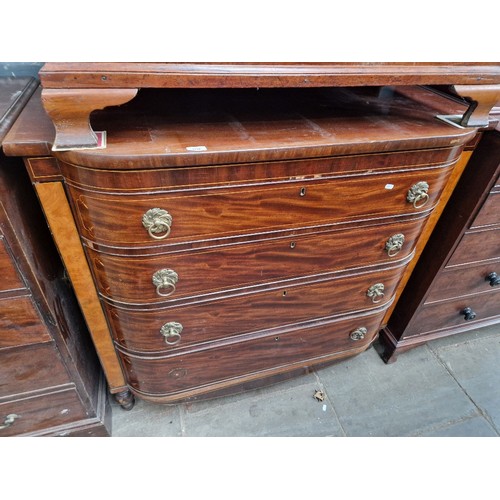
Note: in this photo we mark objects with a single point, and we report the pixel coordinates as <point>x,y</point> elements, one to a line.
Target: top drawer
<point>200,214</point>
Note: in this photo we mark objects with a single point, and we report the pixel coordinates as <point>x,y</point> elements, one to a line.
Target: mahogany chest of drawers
<point>456,283</point>
<point>51,383</point>
<point>234,237</point>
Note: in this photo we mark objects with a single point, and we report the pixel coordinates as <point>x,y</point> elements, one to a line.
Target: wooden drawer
<point>257,356</point>
<point>30,368</point>
<point>443,315</point>
<point>490,211</point>
<point>20,323</point>
<point>35,414</point>
<point>475,247</point>
<point>225,212</point>
<point>10,277</point>
<point>139,330</point>
<point>207,271</point>
<point>469,280</point>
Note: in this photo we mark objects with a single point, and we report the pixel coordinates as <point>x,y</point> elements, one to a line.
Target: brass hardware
<point>376,292</point>
<point>359,333</point>
<point>468,313</point>
<point>418,192</point>
<point>394,244</point>
<point>165,278</point>
<point>493,278</point>
<point>171,330</point>
<point>302,191</point>
<point>9,420</point>
<point>156,221</point>
<point>293,244</point>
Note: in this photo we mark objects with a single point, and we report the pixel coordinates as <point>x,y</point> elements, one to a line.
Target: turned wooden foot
<point>125,399</point>
<point>70,111</point>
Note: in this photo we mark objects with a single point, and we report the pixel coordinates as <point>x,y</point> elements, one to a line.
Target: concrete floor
<point>448,387</point>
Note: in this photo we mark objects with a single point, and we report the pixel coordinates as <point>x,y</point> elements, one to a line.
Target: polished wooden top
<point>247,75</point>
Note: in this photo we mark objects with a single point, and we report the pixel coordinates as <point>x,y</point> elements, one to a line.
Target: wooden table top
<point>246,75</point>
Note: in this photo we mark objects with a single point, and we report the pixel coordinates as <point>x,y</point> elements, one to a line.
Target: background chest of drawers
<point>236,237</point>
<point>455,286</point>
<point>51,382</point>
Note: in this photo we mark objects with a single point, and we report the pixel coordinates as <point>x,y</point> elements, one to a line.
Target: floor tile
<point>146,420</point>
<point>471,427</point>
<point>460,338</point>
<point>276,412</point>
<point>372,398</point>
<point>476,367</point>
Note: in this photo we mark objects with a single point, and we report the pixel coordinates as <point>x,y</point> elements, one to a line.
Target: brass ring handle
<point>418,192</point>
<point>359,333</point>
<point>376,292</point>
<point>9,420</point>
<point>157,221</point>
<point>165,278</point>
<point>171,330</point>
<point>394,244</point>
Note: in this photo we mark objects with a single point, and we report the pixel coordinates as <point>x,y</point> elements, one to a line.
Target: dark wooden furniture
<point>455,286</point>
<point>226,238</point>
<point>51,383</point>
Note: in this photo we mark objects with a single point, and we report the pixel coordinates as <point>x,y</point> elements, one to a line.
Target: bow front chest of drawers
<point>228,237</point>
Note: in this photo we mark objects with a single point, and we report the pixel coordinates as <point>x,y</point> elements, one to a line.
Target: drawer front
<point>302,345</point>
<point>153,179</point>
<point>490,211</point>
<point>20,323</point>
<point>469,280</point>
<point>30,368</point>
<point>36,413</point>
<point>475,247</point>
<point>10,277</point>
<point>200,215</point>
<point>130,279</point>
<point>442,315</point>
<point>140,330</point>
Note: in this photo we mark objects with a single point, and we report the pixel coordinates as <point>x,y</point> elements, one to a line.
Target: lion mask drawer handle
<point>359,333</point>
<point>165,280</point>
<point>417,194</point>
<point>376,292</point>
<point>157,222</point>
<point>394,244</point>
<point>171,332</point>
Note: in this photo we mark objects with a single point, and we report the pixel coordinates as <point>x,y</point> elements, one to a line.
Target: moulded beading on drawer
<point>129,280</point>
<point>177,327</point>
<point>201,215</point>
<point>173,377</point>
<point>34,414</point>
<point>20,323</point>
